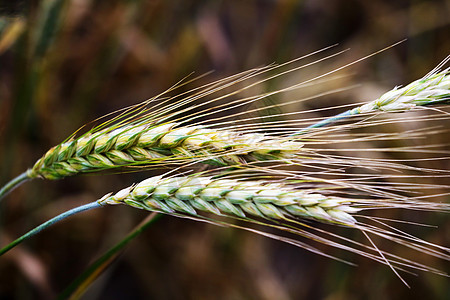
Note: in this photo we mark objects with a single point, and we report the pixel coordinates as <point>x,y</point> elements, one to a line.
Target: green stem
<point>76,289</point>
<point>50,222</point>
<point>327,121</point>
<point>7,188</point>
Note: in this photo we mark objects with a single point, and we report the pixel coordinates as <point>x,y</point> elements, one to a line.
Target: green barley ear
<point>432,89</point>
<point>280,205</point>
<point>157,145</point>
<point>238,198</point>
<point>161,131</point>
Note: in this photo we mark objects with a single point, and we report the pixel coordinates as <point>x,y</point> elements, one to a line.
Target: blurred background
<point>65,63</point>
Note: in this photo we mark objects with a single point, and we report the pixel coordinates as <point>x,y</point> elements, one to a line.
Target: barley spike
<point>144,144</point>
<point>232,197</point>
<point>432,89</point>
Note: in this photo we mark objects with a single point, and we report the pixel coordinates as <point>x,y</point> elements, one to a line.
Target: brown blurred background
<point>65,63</point>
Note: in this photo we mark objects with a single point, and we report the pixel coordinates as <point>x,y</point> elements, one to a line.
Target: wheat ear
<point>232,197</point>
<point>281,206</point>
<point>160,144</point>
<point>432,89</point>
<point>147,144</point>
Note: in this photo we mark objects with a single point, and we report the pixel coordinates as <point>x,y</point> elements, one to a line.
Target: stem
<point>326,122</point>
<point>76,289</point>
<point>7,188</point>
<point>50,222</point>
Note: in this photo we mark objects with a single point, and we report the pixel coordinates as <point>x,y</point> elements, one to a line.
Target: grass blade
<point>77,288</point>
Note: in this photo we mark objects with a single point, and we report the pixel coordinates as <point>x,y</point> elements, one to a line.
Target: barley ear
<point>148,145</point>
<point>432,89</point>
<point>242,199</point>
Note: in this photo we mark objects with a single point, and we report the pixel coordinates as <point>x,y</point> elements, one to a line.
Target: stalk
<point>47,224</point>
<point>13,184</point>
